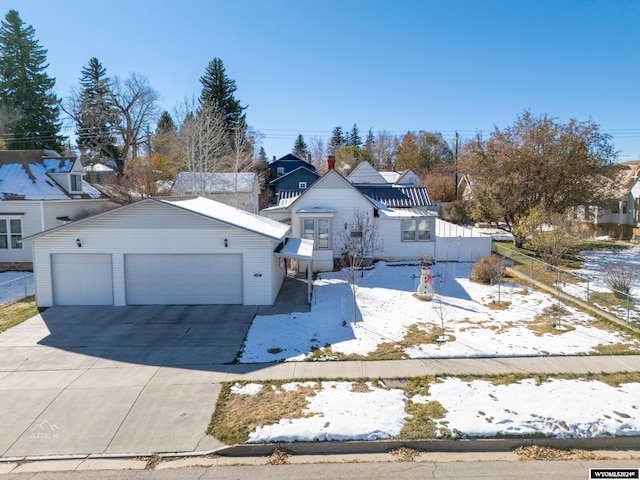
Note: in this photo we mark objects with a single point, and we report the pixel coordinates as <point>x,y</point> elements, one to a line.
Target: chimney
<point>274,158</point>
<point>331,162</point>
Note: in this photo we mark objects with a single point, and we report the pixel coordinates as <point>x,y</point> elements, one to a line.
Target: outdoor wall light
<point>226,243</point>
<point>78,242</point>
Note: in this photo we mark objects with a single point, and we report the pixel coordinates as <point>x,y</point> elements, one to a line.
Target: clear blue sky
<point>307,66</point>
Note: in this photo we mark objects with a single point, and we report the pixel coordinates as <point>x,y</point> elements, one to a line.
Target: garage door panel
<point>183,279</point>
<point>82,279</point>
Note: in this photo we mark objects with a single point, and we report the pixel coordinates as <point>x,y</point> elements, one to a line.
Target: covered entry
<point>300,249</point>
<point>183,279</point>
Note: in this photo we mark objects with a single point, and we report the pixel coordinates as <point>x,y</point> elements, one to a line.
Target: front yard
<point>392,323</point>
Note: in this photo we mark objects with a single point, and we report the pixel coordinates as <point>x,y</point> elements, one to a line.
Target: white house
<point>240,190</point>
<point>326,210</point>
<point>39,190</point>
<point>163,251</point>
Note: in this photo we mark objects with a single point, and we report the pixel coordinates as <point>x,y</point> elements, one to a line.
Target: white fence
<point>15,287</point>
<point>459,244</point>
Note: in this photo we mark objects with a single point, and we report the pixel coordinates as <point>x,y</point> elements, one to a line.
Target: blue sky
<point>307,66</point>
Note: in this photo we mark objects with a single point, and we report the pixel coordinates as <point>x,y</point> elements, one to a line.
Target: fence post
<point>628,310</point>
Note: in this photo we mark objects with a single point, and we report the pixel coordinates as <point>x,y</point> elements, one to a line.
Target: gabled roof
<point>298,170</point>
<point>330,174</point>
<point>29,175</point>
<point>290,157</point>
<point>364,173</point>
<point>203,207</point>
<point>191,183</point>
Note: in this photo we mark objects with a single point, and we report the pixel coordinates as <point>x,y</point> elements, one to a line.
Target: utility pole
<point>456,164</point>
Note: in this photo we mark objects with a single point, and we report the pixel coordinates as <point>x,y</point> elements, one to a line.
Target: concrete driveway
<point>115,380</point>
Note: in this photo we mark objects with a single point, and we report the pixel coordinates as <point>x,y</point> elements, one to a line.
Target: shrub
<point>621,278</point>
<point>488,270</point>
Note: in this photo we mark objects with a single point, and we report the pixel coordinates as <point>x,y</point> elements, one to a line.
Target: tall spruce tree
<point>337,140</point>
<point>353,137</point>
<point>26,91</point>
<point>95,114</point>
<point>218,91</point>
<point>300,148</point>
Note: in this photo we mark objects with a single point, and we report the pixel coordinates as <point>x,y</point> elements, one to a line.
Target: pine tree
<point>300,148</point>
<point>26,91</point>
<point>337,140</point>
<point>165,124</point>
<point>353,137</point>
<point>95,114</point>
<point>218,90</point>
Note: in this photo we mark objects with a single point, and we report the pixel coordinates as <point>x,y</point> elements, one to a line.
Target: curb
<point>483,445</point>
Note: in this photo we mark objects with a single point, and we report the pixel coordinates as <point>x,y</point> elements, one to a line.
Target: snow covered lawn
<point>466,408</point>
<point>393,323</point>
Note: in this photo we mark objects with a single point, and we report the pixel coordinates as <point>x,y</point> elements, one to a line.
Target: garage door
<point>82,279</point>
<point>183,279</point>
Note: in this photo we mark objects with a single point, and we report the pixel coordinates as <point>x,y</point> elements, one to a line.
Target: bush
<point>621,278</point>
<point>457,212</point>
<point>488,270</point>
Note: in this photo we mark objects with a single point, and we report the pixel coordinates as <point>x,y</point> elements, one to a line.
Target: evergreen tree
<point>26,91</point>
<point>95,114</point>
<point>218,91</point>
<point>166,124</point>
<point>353,137</point>
<point>300,148</point>
<point>337,140</point>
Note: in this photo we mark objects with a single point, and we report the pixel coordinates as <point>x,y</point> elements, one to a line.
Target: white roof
<point>209,183</point>
<point>390,177</point>
<point>231,215</point>
<point>300,248</point>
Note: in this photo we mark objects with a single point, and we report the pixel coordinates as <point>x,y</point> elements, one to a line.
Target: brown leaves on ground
<point>538,452</point>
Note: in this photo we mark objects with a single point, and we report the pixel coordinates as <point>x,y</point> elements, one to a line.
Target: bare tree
<point>318,150</point>
<point>242,141</point>
<point>203,140</point>
<point>360,241</point>
<point>136,102</point>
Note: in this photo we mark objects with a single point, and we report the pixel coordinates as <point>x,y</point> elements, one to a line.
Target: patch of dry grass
<point>14,313</point>
<point>545,323</point>
<point>423,422</point>
<point>538,453</point>
<point>493,305</point>
<point>236,416</point>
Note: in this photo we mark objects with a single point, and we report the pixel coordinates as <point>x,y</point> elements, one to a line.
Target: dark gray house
<point>287,164</point>
<point>296,181</point>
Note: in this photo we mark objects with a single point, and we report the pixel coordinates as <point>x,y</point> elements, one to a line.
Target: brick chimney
<point>331,162</point>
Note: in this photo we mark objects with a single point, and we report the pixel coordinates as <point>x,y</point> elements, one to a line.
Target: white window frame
<point>318,241</point>
<point>71,182</point>
<point>416,230</point>
<point>279,171</point>
<point>11,236</point>
<point>302,185</point>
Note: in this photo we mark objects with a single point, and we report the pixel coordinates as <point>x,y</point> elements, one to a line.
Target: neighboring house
<point>39,190</point>
<point>623,219</point>
<point>240,190</point>
<point>164,251</point>
<point>408,178</point>
<point>286,164</point>
<point>294,182</point>
<point>325,211</point>
<point>364,174</point>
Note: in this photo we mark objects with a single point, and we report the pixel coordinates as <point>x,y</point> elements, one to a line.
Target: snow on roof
<point>25,175</point>
<point>390,177</point>
<point>300,248</point>
<point>231,215</point>
<point>98,167</point>
<point>208,183</point>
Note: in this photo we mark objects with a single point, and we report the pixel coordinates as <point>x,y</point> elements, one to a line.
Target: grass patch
<point>423,422</point>
<point>546,323</point>
<point>493,305</point>
<point>236,415</point>
<point>15,313</point>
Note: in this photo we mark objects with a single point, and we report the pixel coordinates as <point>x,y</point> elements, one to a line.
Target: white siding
<point>82,279</point>
<point>160,229</point>
<point>390,230</point>
<point>278,273</point>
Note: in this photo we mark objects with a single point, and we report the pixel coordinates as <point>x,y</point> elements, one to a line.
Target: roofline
<point>158,201</point>
<point>315,184</point>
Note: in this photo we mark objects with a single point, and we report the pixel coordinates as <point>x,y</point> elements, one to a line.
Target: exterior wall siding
<point>154,229</point>
<point>394,249</point>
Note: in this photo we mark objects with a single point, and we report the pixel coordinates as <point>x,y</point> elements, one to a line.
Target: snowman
<point>425,289</point>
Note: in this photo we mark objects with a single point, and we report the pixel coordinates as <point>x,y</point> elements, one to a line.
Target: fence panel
<point>590,290</point>
<point>16,289</point>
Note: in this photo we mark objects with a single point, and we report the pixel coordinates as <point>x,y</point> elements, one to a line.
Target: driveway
<point>120,380</point>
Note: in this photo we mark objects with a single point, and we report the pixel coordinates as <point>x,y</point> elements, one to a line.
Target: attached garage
<point>183,279</point>
<point>82,279</point>
<point>163,251</point>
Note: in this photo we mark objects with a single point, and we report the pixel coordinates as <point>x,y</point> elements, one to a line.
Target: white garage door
<point>82,279</point>
<point>183,279</point>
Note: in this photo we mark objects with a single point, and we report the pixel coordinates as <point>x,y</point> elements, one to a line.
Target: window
<point>279,171</point>
<point>302,185</point>
<point>10,233</point>
<point>624,206</point>
<point>415,230</point>
<point>76,183</point>
<point>616,207</point>
<point>316,229</point>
